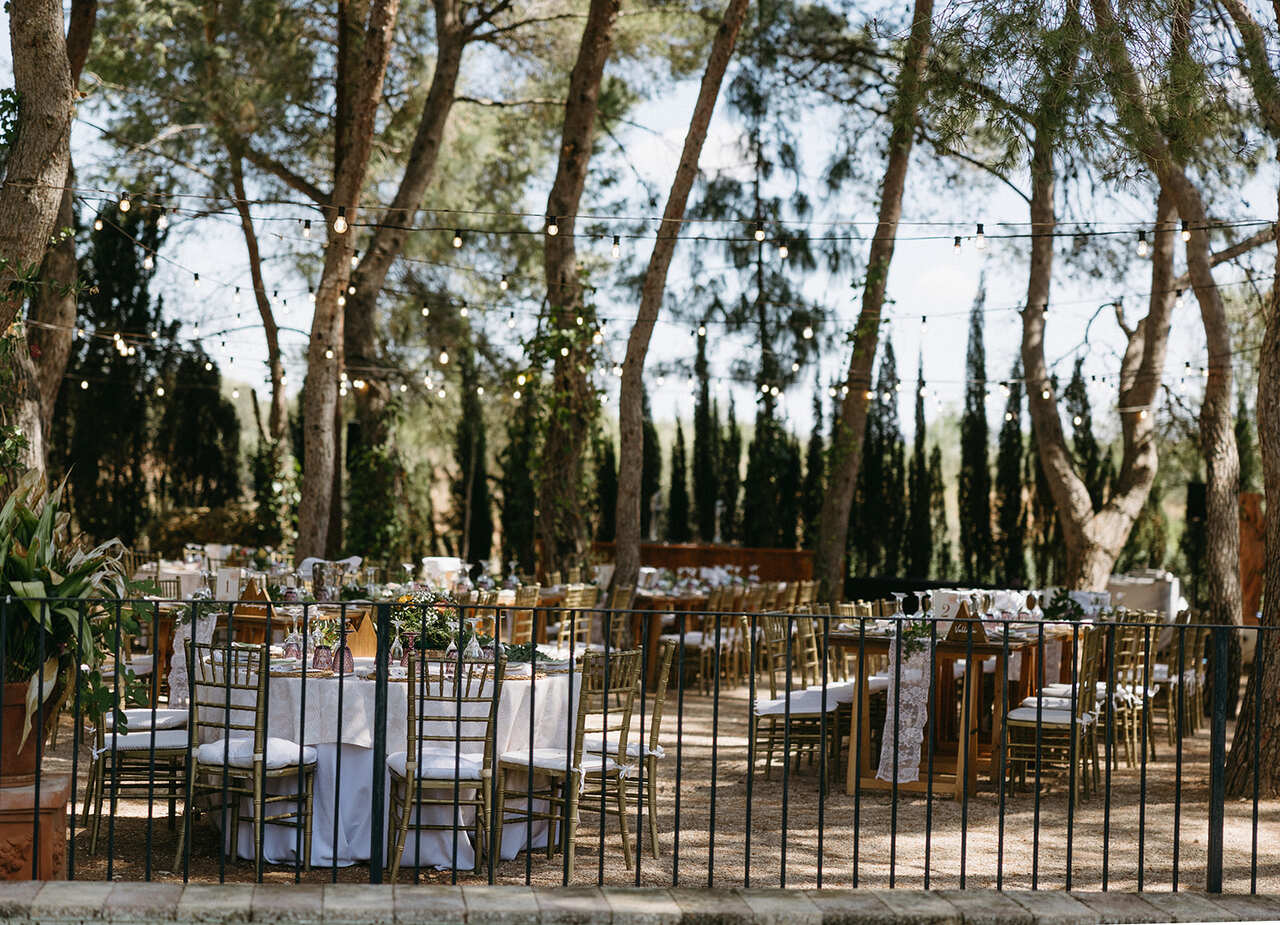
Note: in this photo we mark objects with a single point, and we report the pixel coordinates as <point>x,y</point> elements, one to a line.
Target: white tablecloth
<point>188,576</point>
<point>352,737</point>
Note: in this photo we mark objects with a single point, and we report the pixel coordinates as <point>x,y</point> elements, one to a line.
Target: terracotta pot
<point>18,768</point>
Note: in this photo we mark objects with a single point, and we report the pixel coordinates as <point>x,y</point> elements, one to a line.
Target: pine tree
<point>919,541</point>
<point>943,561</point>
<point>678,499</point>
<point>730,478</point>
<point>606,489</point>
<point>650,471</point>
<point>1010,515</point>
<point>977,550</point>
<point>814,476</point>
<point>472,510</point>
<point>1092,467</point>
<point>706,450</point>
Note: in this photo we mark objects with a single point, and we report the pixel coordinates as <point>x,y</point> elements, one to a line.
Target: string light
<point>564,351</point>
<point>616,249</point>
<point>444,357</point>
<point>235,296</point>
<point>1008,415</point>
<point>425,311</point>
<point>578,321</point>
<point>924,324</point>
<point>306,228</point>
<point>759,233</point>
<point>124,204</point>
<point>340,222</point>
<point>868,395</point>
<point>479,390</point>
<point>617,370</point>
<point>597,338</point>
<point>795,367</point>
<point>159,388</point>
<point>464,311</point>
<point>441,393</point>
<point>351,290</point>
<point>404,387</point>
<point>162,221</point>
<point>97,224</point>
<point>516,394</point>
<point>355,259</point>
<point>980,239</point>
<point>1044,393</point>
<point>235,393</point>
<point>511,319</point>
<point>502,283</point>
<point>783,252</point>
<point>208,367</point>
<point>148,262</point>
<point>342,300</point>
<point>807,333</point>
<point>956,246</point>
<point>702,330</point>
<point>457,239</point>
<point>84,384</point>
<point>328,354</point>
<point>553,227</point>
<point>1179,301</point>
<point>1186,230</point>
<point>195,280</point>
<point>1143,250</point>
<point>521,379</point>
<point>1077,420</point>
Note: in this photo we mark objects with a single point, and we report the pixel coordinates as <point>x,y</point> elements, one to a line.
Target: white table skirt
<point>552,727</point>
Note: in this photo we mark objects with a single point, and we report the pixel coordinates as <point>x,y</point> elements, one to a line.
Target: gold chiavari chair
<point>576,618</point>
<point>574,575</point>
<point>451,712</point>
<point>229,700</point>
<point>620,599</point>
<point>608,686</point>
<point>524,614</point>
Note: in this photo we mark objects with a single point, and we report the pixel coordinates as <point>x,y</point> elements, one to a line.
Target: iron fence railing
<point>751,749</point>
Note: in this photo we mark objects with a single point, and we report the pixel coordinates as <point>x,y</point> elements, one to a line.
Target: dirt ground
<point>965,845</point>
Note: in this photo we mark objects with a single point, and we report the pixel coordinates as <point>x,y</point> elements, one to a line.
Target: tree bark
<point>561,499</point>
<point>362,64</point>
<point>1217,435</point>
<point>631,397</point>
<point>845,455</point>
<point>387,241</point>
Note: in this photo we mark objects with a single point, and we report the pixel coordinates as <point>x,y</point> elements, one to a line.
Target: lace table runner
<point>912,713</point>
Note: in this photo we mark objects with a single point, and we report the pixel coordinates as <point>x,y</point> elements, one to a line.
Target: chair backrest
<point>575,575</point>
<point>170,589</point>
<point>553,579</point>
<point>753,600</point>
<point>806,650</point>
<point>621,597</point>
<point>846,609</point>
<point>484,610</point>
<point>522,614</point>
<point>606,700</point>
<point>443,710</point>
<point>229,689</point>
<point>805,592</point>
<point>775,630</point>
<point>576,619</point>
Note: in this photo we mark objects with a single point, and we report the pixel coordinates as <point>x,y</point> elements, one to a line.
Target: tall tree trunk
<point>35,172</point>
<point>631,397</point>
<point>845,455</point>
<point>387,241</point>
<point>54,303</point>
<point>561,499</point>
<point>362,65</point>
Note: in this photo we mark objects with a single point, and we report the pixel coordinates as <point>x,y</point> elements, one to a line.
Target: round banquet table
<point>343,740</point>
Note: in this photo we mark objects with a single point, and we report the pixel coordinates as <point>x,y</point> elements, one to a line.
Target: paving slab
<point>851,907</point>
<point>16,897</point>
<point>1187,907</point>
<point>1054,906</point>
<point>780,907</point>
<point>920,906</point>
<point>359,903</point>
<point>635,905</point>
<point>1119,908</point>
<point>70,900</point>
<point>143,902</point>
<point>430,903</point>
<point>216,902</point>
<point>288,902</point>
<point>1246,907</point>
<point>984,907</point>
<point>701,906</point>
<point>500,905</point>
<point>573,905</point>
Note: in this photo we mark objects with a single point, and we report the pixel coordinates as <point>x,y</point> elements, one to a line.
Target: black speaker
<point>1195,501</point>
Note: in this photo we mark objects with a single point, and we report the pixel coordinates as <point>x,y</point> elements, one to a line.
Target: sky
<point>929,279</point>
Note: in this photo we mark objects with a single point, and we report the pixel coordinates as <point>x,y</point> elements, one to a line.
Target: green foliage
<point>730,478</point>
<point>1091,463</point>
<point>1063,607</point>
<point>1010,513</point>
<point>943,560</point>
<point>472,508</point>
<point>919,540</point>
<point>519,499</point>
<point>8,122</point>
<point>771,489</point>
<point>606,490</point>
<point>977,548</point>
<point>706,450</point>
<point>1247,446</point>
<point>878,518</point>
<point>678,501</point>
<point>1148,544</point>
<point>197,436</point>
<point>650,468</point>
<point>375,525</point>
<point>813,486</point>
<point>13,443</point>
<point>273,493</point>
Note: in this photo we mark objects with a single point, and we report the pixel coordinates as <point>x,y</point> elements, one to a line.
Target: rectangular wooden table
<point>956,762</point>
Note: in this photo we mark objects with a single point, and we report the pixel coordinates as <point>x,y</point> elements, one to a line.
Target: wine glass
<point>408,572</point>
<point>473,650</point>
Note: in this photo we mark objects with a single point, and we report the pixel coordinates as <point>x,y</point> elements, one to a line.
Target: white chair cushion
<point>1047,717</point>
<point>438,764</point>
<point>556,759</point>
<point>595,743</point>
<point>1050,703</point>
<point>141,741</point>
<point>692,638</point>
<point>808,702</point>
<point>280,753</point>
<point>877,682</point>
<point>140,718</point>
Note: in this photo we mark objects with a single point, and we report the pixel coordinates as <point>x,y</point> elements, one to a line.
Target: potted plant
<point>52,623</point>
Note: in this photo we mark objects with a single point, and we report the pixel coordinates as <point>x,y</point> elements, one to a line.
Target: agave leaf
<point>42,680</point>
<point>29,593</point>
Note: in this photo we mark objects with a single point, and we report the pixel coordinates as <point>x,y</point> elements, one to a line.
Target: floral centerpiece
<point>430,615</point>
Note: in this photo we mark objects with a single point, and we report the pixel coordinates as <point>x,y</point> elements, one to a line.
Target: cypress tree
<point>789,483</point>
<point>730,478</point>
<point>519,497</point>
<point>943,561</point>
<point>472,510</point>
<point>1247,445</point>
<point>678,499</point>
<point>606,489</point>
<point>919,543</point>
<point>650,469</point>
<point>893,491</point>
<point>1048,549</point>
<point>1010,515</point>
<point>1091,465</point>
<point>814,476</point>
<point>976,546</point>
<point>706,449</point>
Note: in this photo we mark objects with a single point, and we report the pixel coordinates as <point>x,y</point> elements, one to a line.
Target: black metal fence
<point>778,756</point>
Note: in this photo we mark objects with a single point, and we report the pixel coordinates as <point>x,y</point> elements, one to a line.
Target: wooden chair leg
<point>187,814</point>
<point>620,797</point>
<point>652,785</point>
<point>570,825</point>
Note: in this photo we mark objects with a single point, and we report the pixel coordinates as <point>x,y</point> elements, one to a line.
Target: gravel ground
<point>960,836</point>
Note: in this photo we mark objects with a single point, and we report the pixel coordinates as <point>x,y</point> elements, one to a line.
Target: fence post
<point>1217,757</point>
<point>377,835</point>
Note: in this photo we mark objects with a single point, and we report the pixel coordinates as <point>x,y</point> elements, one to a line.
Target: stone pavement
<point>355,904</point>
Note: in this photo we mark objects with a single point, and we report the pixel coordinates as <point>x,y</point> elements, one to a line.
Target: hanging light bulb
<point>616,249</point>
<point>1044,393</point>
<point>511,319</point>
<point>342,300</point>
<point>155,335</point>
<point>662,380</point>
<point>868,395</point>
<point>702,330</point>
<point>311,296</point>
<point>84,383</point>
<point>807,333</point>
<point>159,388</point>
<point>980,239</point>
<point>328,354</point>
<point>764,389</point>
<point>553,227</point>
<point>342,390</point>
<point>306,228</point>
<point>441,393</point>
<point>124,204</point>
<point>355,259</point>
<point>579,320</point>
<point>795,367</point>
<point>208,367</point>
<point>1186,230</point>
<point>831,392</point>
<point>444,357</point>
<point>759,233</point>
<point>1143,249</point>
<point>457,239</point>
<point>773,390</point>
<point>1008,415</point>
<point>235,296</point>
<point>1076,420</point>
<point>97,224</point>
<point>924,324</point>
<point>1142,415</point>
<point>340,223</point>
<point>464,311</point>
<point>351,290</point>
<point>235,393</point>
<point>783,252</point>
<point>425,311</point>
<point>1179,301</point>
<point>597,338</point>
<point>132,351</point>
<point>195,280</point>
<point>617,370</point>
<point>923,391</point>
<point>197,331</point>
<point>404,387</point>
<point>516,394</point>
<point>521,379</point>
<point>564,351</point>
<point>148,262</point>
<point>479,390</point>
<point>956,247</point>
<point>162,220</point>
